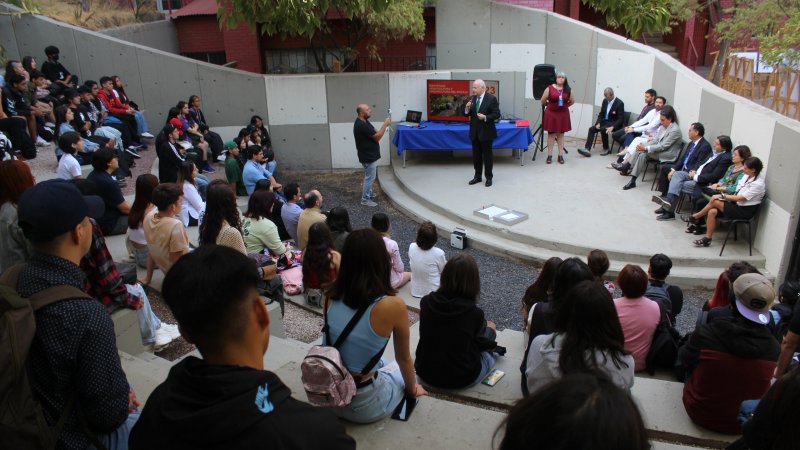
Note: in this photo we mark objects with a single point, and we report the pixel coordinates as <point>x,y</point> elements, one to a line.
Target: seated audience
<point>577,411</point>
<point>457,344</point>
<point>64,117</point>
<point>363,285</point>
<point>56,72</point>
<point>425,261</point>
<point>165,235</point>
<point>723,297</point>
<point>115,219</point>
<point>637,314</point>
<point>538,291</point>
<point>320,261</point>
<point>789,294</point>
<point>254,170</point>
<point>609,119</point>
<point>119,111</point>
<point>68,166</point>
<point>14,127</point>
<point>16,106</point>
<point>399,278</point>
<point>727,185</point>
<point>598,263</point>
<point>73,357</point>
<point>15,178</point>
<point>742,205</point>
<point>142,205</point>
<point>644,130</point>
<point>338,222</point>
<point>589,339</point>
<point>623,136</point>
<point>141,123</point>
<point>290,214</point>
<point>196,117</point>
<point>260,233</point>
<point>222,222</point>
<point>260,135</point>
<point>670,297</point>
<point>191,133</point>
<point>730,360</point>
<point>170,154</point>
<point>665,146</point>
<point>193,206</point>
<point>233,172</point>
<point>310,215</point>
<point>212,293</point>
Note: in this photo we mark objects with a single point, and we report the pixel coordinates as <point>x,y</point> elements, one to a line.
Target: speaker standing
<point>482,109</point>
<point>558,98</point>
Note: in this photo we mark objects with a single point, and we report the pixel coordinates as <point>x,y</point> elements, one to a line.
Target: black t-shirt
<point>109,191</point>
<point>55,71</point>
<point>368,150</point>
<point>794,324</point>
<point>81,117</point>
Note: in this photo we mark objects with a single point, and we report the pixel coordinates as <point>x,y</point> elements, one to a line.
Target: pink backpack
<point>326,379</point>
<point>292,280</point>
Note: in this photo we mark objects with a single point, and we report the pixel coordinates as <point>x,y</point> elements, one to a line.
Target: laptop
<point>413,118</point>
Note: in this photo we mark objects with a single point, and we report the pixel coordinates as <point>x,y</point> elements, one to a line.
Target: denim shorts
<point>376,401</point>
<point>488,359</point>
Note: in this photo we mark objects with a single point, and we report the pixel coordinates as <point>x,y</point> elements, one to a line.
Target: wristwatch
<point>722,197</point>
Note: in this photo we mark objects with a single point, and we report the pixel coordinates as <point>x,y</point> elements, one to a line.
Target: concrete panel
<point>783,165</point>
<point>613,42</point>
<point>664,80</point>
<point>752,127</point>
<point>463,34</point>
<point>296,99</point>
<point>582,116</point>
<point>629,85</point>
<point>407,90</point>
<point>100,56</point>
<point>515,24</point>
<point>160,35</point>
<point>773,234</point>
<point>34,33</point>
<point>231,97</point>
<point>686,102</point>
<point>577,56</point>
<point>518,57</point>
<point>345,91</point>
<point>9,39</point>
<point>165,80</point>
<point>716,114</point>
<point>301,147</point>
<point>343,146</point>
<point>507,87</point>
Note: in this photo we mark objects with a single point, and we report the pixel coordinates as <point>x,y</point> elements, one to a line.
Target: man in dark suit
<point>698,150</point>
<point>483,109</point>
<point>609,119</point>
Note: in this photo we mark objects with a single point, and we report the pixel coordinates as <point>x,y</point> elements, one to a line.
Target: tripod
<point>540,131</point>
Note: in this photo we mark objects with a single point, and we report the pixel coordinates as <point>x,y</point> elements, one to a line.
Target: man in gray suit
<point>664,147</point>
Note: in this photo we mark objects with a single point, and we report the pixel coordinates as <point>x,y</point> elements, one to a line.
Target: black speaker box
<point>543,75</point>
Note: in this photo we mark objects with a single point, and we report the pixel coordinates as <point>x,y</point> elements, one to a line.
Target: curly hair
<point>220,207</point>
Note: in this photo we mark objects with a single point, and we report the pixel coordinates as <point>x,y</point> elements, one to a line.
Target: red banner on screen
<point>447,99</point>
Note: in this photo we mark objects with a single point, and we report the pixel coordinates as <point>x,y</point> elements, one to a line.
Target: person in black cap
<point>730,359</point>
<point>73,358</point>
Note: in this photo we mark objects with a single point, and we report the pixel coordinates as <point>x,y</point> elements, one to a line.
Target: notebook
<point>413,118</point>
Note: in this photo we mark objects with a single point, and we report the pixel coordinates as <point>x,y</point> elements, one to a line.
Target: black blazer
<point>714,170</point>
<point>615,116</point>
<point>478,129</point>
<point>701,154</point>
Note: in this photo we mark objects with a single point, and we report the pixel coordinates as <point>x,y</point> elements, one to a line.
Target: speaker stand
<point>538,140</point>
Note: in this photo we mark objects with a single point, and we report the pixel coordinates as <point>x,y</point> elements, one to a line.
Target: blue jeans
<point>148,321</point>
<point>376,401</point>
<point>202,183</point>
<point>370,174</point>
<point>141,123</point>
<point>488,359</point>
<point>271,166</point>
<point>118,439</point>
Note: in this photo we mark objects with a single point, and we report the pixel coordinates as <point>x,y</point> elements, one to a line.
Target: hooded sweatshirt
<point>202,406</point>
<point>450,341</point>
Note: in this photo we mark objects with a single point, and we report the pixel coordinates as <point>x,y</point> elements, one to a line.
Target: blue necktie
<point>688,155</point>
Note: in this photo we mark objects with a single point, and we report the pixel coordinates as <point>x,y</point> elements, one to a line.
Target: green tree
<point>637,17</point>
<point>381,20</point>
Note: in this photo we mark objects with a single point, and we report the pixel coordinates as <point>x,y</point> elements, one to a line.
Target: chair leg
<point>750,237</point>
<point>646,166</point>
<point>727,235</point>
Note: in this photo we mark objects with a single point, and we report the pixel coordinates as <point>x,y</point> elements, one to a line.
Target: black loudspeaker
<point>543,75</point>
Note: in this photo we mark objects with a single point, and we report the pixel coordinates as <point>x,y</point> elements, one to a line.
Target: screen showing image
<point>448,98</point>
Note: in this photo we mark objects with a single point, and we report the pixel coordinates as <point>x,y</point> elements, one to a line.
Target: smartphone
<point>405,408</point>
<point>493,377</point>
<point>390,111</point>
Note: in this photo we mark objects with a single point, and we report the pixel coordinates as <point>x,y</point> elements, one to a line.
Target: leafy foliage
<point>775,24</point>
<point>637,17</point>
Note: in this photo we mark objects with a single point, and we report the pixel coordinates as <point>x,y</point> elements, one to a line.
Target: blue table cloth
<point>437,136</point>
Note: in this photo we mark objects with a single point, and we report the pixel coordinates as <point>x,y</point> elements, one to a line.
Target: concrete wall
<point>160,35</point>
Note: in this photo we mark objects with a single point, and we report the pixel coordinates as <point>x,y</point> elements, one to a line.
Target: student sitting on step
<point>226,399</point>
<point>456,343</point>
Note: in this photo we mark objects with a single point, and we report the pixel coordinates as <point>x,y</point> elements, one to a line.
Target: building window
<point>300,60</point>
<point>169,5</point>
<point>209,57</point>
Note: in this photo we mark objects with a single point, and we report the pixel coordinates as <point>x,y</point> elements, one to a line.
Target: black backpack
<point>22,422</point>
<point>664,348</point>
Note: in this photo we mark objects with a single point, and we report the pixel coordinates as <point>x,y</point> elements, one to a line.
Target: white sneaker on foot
<point>368,203</point>
<point>171,329</point>
<point>162,339</point>
<point>41,142</point>
<point>147,135</point>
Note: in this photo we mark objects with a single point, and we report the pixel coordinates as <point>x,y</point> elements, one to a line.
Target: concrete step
<point>143,374</point>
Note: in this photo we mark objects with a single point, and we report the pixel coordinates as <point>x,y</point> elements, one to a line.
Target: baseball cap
<point>754,296</point>
<point>52,208</point>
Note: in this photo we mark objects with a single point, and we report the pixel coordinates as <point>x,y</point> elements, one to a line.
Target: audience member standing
<point>369,149</point>
<point>557,98</point>
<point>380,223</point>
<point>425,261</point>
<point>638,315</point>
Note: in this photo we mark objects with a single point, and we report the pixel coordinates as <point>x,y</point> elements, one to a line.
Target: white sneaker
<point>368,203</point>
<point>163,338</point>
<point>41,142</point>
<point>147,135</point>
<point>49,125</point>
<point>221,158</point>
<point>170,329</point>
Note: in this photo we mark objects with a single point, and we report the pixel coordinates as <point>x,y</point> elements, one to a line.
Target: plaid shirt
<point>103,281</point>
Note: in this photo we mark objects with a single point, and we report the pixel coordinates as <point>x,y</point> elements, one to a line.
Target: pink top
<point>639,318</point>
<point>397,262</point>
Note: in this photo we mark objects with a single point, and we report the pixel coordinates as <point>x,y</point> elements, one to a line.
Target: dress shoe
<point>624,167</point>
<point>606,152</point>
<point>584,152</point>
<point>661,200</point>
<point>631,184</point>
<point>666,216</point>
<point>488,182</point>
<point>660,211</point>
<point>615,165</point>
<point>475,180</point>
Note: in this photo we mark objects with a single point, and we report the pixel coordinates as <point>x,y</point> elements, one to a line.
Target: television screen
<point>448,98</point>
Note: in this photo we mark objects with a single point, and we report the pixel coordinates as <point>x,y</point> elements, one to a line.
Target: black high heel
<point>560,159</point>
<point>549,159</point>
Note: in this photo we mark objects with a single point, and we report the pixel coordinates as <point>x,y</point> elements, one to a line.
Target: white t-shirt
<point>193,205</point>
<point>68,167</point>
<point>752,189</point>
<point>426,268</point>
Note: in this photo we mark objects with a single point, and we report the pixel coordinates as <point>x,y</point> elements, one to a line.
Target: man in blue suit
<point>483,110</point>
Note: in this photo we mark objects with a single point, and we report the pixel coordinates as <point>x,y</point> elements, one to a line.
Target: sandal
<point>549,159</point>
<point>691,228</point>
<point>560,159</point>
<point>705,241</point>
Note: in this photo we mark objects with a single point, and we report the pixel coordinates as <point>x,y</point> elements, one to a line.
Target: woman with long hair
<point>338,222</point>
<point>557,98</point>
<point>141,123</point>
<point>196,116</point>
<point>64,117</point>
<point>261,233</point>
<point>539,290</point>
<point>193,134</point>
<point>363,286</point>
<point>222,223</point>
<point>589,339</point>
<point>726,185</point>
<point>142,204</point>
<point>380,223</point>
<point>320,260</point>
<point>176,118</point>
<point>741,205</point>
<point>15,178</point>
<point>456,342</point>
<point>193,205</point>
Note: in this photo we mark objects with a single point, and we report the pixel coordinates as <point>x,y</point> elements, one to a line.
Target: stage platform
<point>573,208</point>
